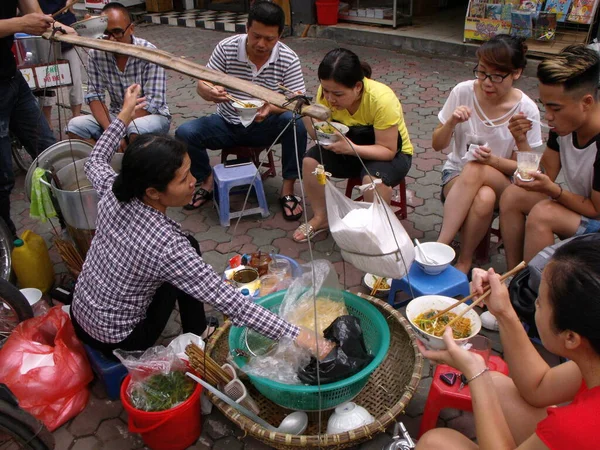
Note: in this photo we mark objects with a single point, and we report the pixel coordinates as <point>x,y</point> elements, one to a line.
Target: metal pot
<point>78,200</point>
<point>42,50</point>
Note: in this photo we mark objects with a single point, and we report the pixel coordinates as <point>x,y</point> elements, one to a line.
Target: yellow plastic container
<point>31,262</point>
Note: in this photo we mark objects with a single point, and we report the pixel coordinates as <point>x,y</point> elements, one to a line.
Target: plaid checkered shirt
<point>104,75</point>
<point>136,249</point>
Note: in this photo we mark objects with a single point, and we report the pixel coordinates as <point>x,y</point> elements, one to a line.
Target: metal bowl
<point>58,156</point>
<point>42,50</point>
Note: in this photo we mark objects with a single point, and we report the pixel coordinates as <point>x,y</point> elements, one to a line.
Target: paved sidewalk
<point>422,84</point>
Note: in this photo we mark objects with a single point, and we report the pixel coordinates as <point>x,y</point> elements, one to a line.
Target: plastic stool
<point>401,213</point>
<point>229,177</point>
<point>252,154</point>
<point>109,371</point>
<point>451,282</point>
<point>443,396</point>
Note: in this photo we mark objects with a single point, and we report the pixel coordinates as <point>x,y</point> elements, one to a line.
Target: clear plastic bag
<point>158,380</point>
<point>319,280</point>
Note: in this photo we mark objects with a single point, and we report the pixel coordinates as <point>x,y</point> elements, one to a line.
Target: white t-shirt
<point>580,165</point>
<point>497,137</point>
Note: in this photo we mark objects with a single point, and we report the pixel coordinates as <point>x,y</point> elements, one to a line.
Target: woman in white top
<point>479,112</point>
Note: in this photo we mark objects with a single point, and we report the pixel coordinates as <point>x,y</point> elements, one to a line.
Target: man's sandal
<point>307,231</point>
<point>200,194</point>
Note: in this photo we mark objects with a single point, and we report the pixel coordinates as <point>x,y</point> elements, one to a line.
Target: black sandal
<point>200,194</point>
<point>283,201</point>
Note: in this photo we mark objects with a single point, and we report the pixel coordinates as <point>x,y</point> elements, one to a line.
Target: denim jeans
<point>20,114</point>
<point>214,133</point>
<point>87,127</point>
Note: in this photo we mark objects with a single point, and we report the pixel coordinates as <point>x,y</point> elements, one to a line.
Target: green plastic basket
<point>306,398</point>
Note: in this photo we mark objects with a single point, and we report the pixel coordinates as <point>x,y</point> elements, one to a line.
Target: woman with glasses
<point>475,128</point>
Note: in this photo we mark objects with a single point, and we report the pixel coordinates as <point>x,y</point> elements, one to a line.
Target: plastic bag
<point>347,358</point>
<point>158,380</point>
<point>45,366</point>
<point>283,363</point>
<point>378,244</point>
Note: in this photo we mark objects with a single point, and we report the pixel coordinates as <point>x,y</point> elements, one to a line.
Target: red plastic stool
<point>402,212</point>
<point>253,154</point>
<point>443,396</point>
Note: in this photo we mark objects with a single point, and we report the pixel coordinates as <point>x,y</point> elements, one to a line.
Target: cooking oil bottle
<point>31,262</point>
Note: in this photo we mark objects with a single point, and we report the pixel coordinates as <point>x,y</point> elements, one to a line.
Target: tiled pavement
<point>422,84</point>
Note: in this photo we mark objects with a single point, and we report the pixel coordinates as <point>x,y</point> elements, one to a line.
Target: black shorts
<point>348,166</point>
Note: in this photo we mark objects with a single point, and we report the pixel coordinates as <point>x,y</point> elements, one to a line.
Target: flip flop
<point>308,231</point>
<point>200,194</point>
<point>287,209</point>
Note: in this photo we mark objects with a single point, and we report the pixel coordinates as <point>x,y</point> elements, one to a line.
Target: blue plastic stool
<point>110,372</point>
<point>230,177</point>
<point>451,282</point>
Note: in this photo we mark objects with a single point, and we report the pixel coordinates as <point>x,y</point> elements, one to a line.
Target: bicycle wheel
<point>22,158</point>
<point>14,434</point>
<point>6,246</point>
<point>14,308</point>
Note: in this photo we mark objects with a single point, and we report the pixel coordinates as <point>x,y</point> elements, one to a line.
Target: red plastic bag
<point>55,389</point>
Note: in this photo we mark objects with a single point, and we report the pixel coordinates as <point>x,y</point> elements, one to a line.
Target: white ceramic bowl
<point>369,281</point>
<point>348,416</point>
<point>327,138</point>
<point>32,295</point>
<point>248,113</point>
<point>424,303</point>
<point>93,27</point>
<point>442,253</point>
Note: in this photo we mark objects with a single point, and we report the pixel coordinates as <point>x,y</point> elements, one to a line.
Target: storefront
<point>548,25</point>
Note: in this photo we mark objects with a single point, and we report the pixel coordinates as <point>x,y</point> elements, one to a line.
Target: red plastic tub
<point>327,12</point>
<point>174,429</point>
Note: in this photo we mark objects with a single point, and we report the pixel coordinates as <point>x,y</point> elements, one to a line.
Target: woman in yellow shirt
<point>377,135</point>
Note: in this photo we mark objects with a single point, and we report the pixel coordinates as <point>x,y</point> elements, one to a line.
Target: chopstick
<point>230,97</point>
<point>510,273</point>
<point>63,9</point>
<point>376,285</point>
<point>286,89</point>
<point>518,268</point>
<point>545,125</point>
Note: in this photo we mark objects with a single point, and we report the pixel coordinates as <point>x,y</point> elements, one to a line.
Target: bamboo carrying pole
<point>63,9</point>
<point>181,65</point>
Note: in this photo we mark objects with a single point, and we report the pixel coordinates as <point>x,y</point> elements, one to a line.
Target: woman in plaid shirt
<point>140,261</point>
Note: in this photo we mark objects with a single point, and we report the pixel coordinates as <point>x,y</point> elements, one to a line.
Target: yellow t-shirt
<point>378,107</point>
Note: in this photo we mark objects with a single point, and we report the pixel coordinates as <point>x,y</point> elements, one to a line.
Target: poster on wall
<point>583,11</point>
<point>559,7</point>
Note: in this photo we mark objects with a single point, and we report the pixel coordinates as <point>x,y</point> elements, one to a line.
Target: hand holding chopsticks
<point>485,294</point>
<point>230,97</point>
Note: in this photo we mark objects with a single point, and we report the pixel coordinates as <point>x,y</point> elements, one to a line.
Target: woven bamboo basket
<point>390,388</point>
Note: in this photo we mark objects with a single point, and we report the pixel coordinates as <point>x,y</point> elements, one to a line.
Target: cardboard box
<point>159,5</point>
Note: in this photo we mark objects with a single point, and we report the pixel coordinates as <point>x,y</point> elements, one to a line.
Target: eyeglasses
<point>494,77</point>
<point>117,33</point>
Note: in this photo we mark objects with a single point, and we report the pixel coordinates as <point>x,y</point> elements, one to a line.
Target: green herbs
<point>161,391</point>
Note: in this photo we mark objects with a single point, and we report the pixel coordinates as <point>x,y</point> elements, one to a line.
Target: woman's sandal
<point>307,231</point>
<point>288,211</point>
<point>200,194</point>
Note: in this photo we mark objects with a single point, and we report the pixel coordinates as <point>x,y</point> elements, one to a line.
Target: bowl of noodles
<point>247,108</point>
<point>420,310</point>
<point>326,132</point>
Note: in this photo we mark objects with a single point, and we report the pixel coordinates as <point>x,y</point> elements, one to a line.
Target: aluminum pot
<point>78,200</point>
<point>42,50</point>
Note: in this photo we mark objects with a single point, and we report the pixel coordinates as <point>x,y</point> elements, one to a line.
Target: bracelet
<point>559,194</point>
<point>477,375</point>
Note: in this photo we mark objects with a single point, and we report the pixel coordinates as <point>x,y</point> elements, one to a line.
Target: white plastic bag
<point>372,239</point>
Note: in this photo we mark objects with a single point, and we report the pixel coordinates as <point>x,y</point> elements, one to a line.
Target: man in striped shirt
<point>261,58</point>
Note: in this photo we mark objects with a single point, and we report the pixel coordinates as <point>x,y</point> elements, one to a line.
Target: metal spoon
<point>427,259</point>
<point>294,423</point>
